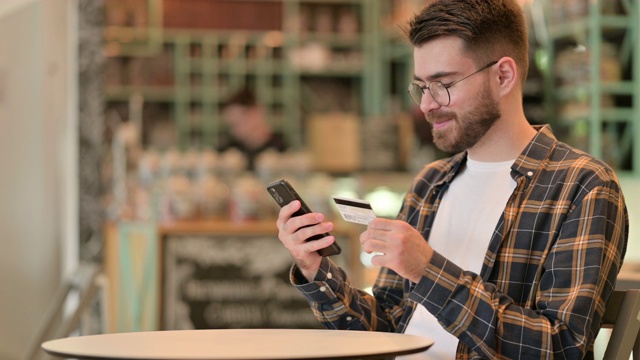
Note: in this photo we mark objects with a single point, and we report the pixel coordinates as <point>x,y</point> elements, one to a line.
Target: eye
<point>422,88</point>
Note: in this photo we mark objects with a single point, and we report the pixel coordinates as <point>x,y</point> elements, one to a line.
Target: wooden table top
<point>233,344</point>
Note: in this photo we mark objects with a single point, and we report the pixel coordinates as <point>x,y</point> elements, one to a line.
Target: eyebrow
<point>436,76</point>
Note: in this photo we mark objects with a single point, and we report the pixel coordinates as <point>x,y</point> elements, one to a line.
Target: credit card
<point>355,210</point>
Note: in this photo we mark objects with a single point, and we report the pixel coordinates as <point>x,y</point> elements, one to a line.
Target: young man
<point>250,132</point>
<point>508,249</point>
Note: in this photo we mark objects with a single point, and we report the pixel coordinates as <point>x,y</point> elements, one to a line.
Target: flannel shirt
<point>549,270</point>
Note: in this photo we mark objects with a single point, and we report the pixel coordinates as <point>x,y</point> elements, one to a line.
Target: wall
<point>37,163</point>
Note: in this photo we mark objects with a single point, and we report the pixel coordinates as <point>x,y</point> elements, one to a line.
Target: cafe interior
<point>125,208</point>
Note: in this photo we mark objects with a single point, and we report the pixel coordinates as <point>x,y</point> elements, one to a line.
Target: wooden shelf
<point>220,226</point>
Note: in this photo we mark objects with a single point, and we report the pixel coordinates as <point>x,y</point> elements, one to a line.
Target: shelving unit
<point>322,58</point>
<point>200,77</point>
<point>599,110</point>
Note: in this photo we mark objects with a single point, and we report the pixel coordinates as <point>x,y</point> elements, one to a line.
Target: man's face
<point>473,109</point>
<point>240,120</point>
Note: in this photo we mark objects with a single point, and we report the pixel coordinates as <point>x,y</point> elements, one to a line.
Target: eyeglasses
<point>439,91</point>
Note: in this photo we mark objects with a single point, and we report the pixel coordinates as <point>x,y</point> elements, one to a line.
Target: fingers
<point>285,213</point>
<point>380,232</point>
<point>289,224</point>
<point>388,239</point>
<point>311,247</point>
<point>399,247</point>
<point>378,260</point>
<point>295,230</point>
<point>370,243</point>
<point>383,224</point>
<point>381,244</point>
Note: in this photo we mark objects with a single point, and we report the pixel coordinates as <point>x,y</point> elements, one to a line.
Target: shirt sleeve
<point>338,305</point>
<point>578,275</point>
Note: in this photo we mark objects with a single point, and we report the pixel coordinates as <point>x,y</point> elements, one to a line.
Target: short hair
<point>489,29</point>
<point>244,97</point>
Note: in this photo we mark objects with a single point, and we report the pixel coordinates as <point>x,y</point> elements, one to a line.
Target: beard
<point>468,128</point>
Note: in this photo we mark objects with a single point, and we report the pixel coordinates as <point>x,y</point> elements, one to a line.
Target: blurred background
<point>137,138</point>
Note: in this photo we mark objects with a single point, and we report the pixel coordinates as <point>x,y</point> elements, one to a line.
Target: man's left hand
<point>400,247</point>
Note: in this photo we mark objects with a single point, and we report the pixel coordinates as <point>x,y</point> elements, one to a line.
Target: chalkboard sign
<point>231,281</point>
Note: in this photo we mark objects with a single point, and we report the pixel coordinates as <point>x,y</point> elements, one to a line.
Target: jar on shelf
<point>208,164</point>
<point>247,200</point>
<point>212,198</point>
<point>575,9</point>
<point>610,67</point>
<point>573,65</point>
<point>348,23</point>
<point>269,165</point>
<point>323,20</point>
<point>180,201</point>
<point>232,164</point>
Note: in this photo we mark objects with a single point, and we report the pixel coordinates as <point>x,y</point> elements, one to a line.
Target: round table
<point>229,344</point>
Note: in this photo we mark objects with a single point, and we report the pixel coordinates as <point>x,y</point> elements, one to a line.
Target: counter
<point>208,274</point>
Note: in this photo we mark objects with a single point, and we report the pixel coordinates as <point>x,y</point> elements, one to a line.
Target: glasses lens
<point>439,93</point>
<point>416,92</point>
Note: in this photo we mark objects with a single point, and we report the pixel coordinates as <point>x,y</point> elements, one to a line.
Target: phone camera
<point>276,196</point>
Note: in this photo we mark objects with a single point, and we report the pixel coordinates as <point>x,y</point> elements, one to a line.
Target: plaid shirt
<point>550,267</point>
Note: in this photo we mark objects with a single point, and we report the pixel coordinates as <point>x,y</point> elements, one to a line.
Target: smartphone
<point>283,193</point>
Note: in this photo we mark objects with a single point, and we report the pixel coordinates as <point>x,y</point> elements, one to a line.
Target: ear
<point>507,75</point>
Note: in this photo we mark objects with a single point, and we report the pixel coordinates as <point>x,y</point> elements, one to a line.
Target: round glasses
<point>439,91</point>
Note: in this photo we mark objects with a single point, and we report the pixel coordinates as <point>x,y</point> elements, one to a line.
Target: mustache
<point>434,117</point>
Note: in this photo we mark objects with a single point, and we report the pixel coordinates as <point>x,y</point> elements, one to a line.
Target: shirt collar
<point>527,163</point>
<point>535,152</point>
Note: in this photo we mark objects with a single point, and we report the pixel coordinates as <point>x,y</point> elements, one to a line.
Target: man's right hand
<point>293,233</point>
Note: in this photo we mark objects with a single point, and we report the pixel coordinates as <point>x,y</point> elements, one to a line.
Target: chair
<point>623,316</point>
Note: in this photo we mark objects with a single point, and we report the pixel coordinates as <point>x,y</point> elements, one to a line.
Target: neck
<point>506,139</point>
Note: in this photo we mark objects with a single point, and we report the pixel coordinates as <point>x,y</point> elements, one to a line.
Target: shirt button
<point>349,318</point>
<point>329,275</point>
<point>323,288</point>
<point>530,173</point>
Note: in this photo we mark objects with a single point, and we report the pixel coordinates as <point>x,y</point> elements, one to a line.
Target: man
<point>248,126</point>
<point>508,249</point>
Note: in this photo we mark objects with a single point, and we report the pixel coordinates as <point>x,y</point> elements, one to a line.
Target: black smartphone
<point>283,193</point>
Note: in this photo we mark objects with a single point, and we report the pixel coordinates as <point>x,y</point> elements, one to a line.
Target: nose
<point>428,103</point>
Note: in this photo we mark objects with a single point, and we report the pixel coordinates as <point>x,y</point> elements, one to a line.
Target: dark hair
<point>490,29</point>
<point>243,97</point>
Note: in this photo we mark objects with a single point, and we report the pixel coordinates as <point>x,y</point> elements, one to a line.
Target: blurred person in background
<point>250,132</point>
<point>508,249</point>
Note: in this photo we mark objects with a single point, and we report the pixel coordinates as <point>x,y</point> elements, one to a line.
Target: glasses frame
<point>417,85</point>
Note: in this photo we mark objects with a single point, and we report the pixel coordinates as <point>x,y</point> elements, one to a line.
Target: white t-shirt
<point>464,224</point>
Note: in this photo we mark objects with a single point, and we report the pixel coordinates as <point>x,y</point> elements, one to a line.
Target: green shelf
<point>582,26</point>
<point>607,115</point>
<point>565,93</point>
<point>150,93</point>
<point>598,121</point>
<point>330,40</point>
<point>207,65</point>
<point>333,71</point>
